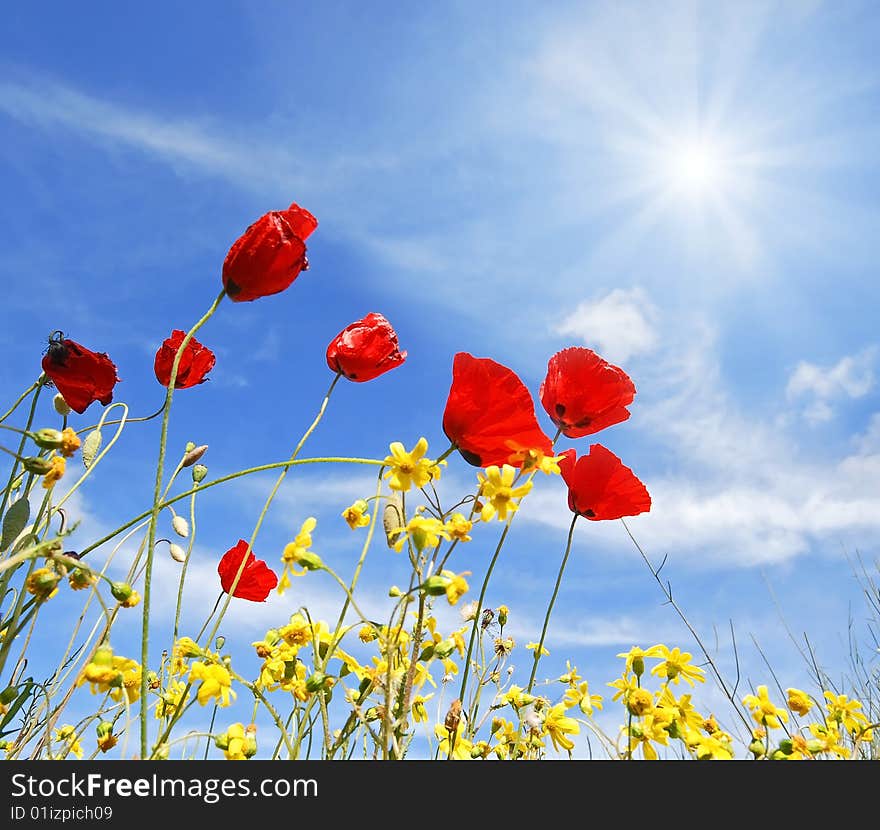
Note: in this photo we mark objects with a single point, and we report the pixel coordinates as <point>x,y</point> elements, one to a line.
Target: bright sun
<point>696,168</point>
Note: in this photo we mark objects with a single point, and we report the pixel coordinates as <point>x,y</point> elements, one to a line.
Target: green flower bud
<point>814,746</point>
<point>103,656</point>
<point>220,642</point>
<point>190,446</point>
<point>104,729</point>
<point>310,561</point>
<point>199,471</point>
<point>39,466</point>
<point>435,585</point>
<point>222,741</point>
<point>121,591</point>
<point>427,652</point>
<point>60,405</point>
<point>756,747</point>
<point>777,755</point>
<point>444,648</point>
<point>316,681</point>
<point>90,447</point>
<point>48,439</point>
<point>394,591</point>
<point>638,666</point>
<point>250,743</point>
<point>786,746</point>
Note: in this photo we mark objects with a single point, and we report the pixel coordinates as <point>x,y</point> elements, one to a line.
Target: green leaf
<point>14,521</point>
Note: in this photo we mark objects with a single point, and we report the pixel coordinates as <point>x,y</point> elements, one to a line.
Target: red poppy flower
<point>582,393</point>
<point>490,415</point>
<point>601,487</point>
<point>81,376</point>
<point>365,349</point>
<point>195,362</point>
<point>269,255</point>
<point>257,579</point>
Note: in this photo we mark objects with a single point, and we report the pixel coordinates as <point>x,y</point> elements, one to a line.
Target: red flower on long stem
<point>257,579</point>
<point>583,393</point>
<point>195,362</point>
<point>365,349</point>
<point>80,375</point>
<point>490,415</point>
<point>269,255</point>
<point>600,486</point>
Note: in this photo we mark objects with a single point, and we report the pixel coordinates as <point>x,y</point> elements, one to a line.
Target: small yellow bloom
<point>132,600</point>
<point>216,683</point>
<point>536,460</point>
<point>458,527</point>
<point>170,699</point>
<point>456,588</point>
<point>799,702</point>
<point>297,553</point>
<point>106,739</point>
<point>419,712</point>
<point>410,469</point>
<point>558,725</point>
<point>764,711</point>
<point>847,712</point>
<point>496,487</point>
<point>56,472</point>
<point>80,578</point>
<point>43,583</point>
<point>580,696</point>
<point>461,747</point>
<point>425,532</point>
<point>534,647</point>
<point>640,702</point>
<point>69,442</point>
<point>238,743</point>
<point>66,734</point>
<point>356,515</point>
<point>675,665</point>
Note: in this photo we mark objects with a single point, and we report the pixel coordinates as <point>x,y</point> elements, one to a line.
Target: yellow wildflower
<point>639,702</point>
<point>558,725</point>
<point>799,702</point>
<point>297,553</point>
<point>847,712</point>
<point>425,532</point>
<point>43,583</point>
<point>676,665</point>
<point>456,588</point>
<point>356,515</point>
<point>67,734</point>
<point>462,746</point>
<point>580,696</point>
<point>69,442</point>
<point>534,647</point>
<point>170,699</point>
<point>764,711</point>
<point>216,683</point>
<point>56,472</point>
<point>458,527</point>
<point>496,487</point>
<point>419,712</point>
<point>410,469</point>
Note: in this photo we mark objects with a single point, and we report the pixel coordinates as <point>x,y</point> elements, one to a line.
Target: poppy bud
<point>193,454</point>
<point>199,471</point>
<point>365,349</point>
<point>178,554</point>
<point>269,255</point>
<point>90,447</point>
<point>180,526</point>
<point>121,591</point>
<point>195,361</point>
<point>60,405</point>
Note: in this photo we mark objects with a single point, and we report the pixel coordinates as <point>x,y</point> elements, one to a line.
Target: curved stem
<point>552,603</point>
<point>154,518</point>
<point>21,397</point>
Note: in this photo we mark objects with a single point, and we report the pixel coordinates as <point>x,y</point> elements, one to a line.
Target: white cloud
<point>851,377</point>
<point>619,325</point>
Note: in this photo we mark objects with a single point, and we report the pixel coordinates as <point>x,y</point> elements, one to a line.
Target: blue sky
<point>688,188</point>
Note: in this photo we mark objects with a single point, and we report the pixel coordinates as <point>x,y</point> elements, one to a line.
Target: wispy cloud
<point>619,324</point>
<point>851,377</point>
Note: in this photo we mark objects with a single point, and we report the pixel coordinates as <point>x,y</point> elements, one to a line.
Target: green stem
<point>550,606</point>
<point>30,420</point>
<point>154,518</point>
<point>21,397</point>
